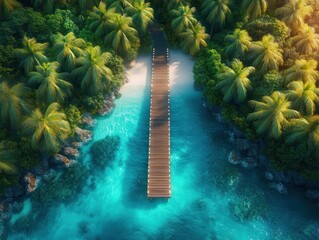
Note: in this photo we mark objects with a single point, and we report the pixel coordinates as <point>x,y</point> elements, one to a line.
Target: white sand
<point>181,75</point>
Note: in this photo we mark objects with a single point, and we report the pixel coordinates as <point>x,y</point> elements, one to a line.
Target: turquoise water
<point>204,184</point>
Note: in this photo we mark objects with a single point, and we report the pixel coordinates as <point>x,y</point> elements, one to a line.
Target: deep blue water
<point>204,184</point>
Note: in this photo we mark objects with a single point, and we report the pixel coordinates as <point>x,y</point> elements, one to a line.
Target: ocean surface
<point>208,193</point>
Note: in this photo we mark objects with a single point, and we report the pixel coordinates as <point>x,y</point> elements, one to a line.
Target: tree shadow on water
<point>135,175</point>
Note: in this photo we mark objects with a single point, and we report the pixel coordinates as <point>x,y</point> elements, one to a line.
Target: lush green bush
<point>73,115</point>
<point>206,66</point>
<point>92,104</point>
<point>103,151</point>
<point>265,25</point>
<point>270,82</point>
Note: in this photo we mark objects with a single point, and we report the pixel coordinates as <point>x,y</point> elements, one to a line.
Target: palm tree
<point>234,82</point>
<point>216,11</point>
<point>47,129</point>
<point>254,8</point>
<point>303,96</point>
<point>47,6</point>
<point>305,131</point>
<point>88,4</point>
<point>7,6</point>
<point>183,18</point>
<point>141,13</point>
<point>51,87</point>
<point>12,103</point>
<point>101,20</point>
<point>307,40</point>
<point>122,34</point>
<point>238,44</point>
<point>305,70</point>
<point>175,4</point>
<point>68,49</point>
<point>272,114</point>
<point>119,5</point>
<point>31,54</point>
<point>294,13</point>
<point>193,38</point>
<point>265,54</point>
<point>7,159</point>
<point>93,73</point>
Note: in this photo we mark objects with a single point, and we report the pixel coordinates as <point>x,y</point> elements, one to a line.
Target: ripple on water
<point>209,196</point>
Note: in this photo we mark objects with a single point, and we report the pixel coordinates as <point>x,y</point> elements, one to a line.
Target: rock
<point>83,135</point>
<point>279,187</point>
<point>242,144</point>
<point>3,230</point>
<point>70,152</point>
<point>314,194</point>
<point>107,107</point>
<point>234,157</point>
<point>88,120</point>
<point>249,162</point>
<point>269,176</point>
<point>312,230</point>
<point>60,159</point>
<point>32,182</point>
<point>50,175</point>
<point>76,145</point>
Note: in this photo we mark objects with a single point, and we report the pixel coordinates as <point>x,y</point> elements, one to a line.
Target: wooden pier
<point>159,182</point>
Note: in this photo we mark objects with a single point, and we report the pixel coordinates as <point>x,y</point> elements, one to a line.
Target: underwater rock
<point>3,230</point>
<point>269,176</point>
<point>32,182</point>
<point>242,144</point>
<point>62,188</point>
<point>103,151</point>
<point>312,230</point>
<point>70,152</point>
<point>234,157</point>
<point>50,175</point>
<point>16,207</point>
<point>279,187</point>
<point>88,120</point>
<point>83,135</point>
<point>314,194</point>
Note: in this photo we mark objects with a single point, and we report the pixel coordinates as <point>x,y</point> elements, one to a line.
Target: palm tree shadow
<point>136,170</point>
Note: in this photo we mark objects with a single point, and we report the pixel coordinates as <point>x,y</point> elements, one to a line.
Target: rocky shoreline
<point>249,154</point>
<point>12,202</point>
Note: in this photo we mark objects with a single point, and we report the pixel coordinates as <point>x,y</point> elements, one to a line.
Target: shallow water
<point>203,182</point>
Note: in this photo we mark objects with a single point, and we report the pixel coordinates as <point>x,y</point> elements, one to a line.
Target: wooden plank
<point>159,134</point>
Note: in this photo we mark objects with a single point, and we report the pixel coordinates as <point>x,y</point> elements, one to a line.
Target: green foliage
<point>206,66</point>
<point>47,130</point>
<point>92,104</point>
<point>62,21</point>
<point>8,180</point>
<point>234,82</point>
<point>116,64</point>
<point>270,82</point>
<point>284,156</point>
<point>103,151</point>
<point>92,72</point>
<point>267,25</point>
<point>73,116</point>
